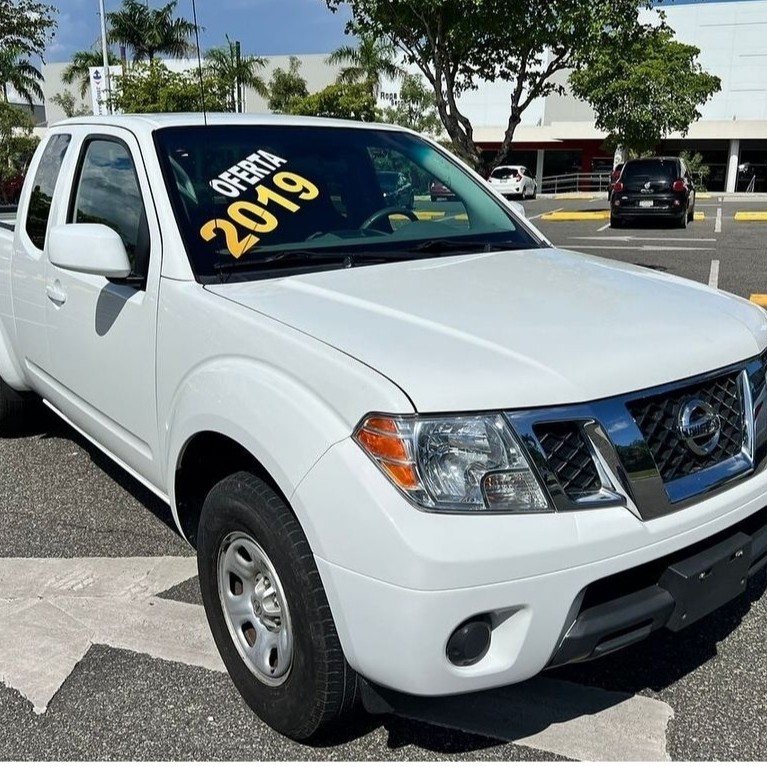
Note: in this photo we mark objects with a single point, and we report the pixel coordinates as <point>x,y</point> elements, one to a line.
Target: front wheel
<point>268,611</point>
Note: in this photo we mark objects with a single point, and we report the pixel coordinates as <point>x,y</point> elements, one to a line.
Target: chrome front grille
<point>569,457</point>
<point>657,419</point>
<point>636,450</point>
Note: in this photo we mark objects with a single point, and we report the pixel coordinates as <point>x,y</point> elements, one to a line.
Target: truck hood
<point>514,329</point>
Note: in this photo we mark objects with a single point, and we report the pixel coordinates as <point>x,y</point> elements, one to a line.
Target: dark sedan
<point>653,187</point>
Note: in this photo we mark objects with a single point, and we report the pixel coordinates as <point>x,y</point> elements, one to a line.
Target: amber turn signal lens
<point>403,474</point>
<point>383,445</point>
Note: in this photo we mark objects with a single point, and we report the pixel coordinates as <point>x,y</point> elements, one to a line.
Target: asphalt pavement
<point>67,513</point>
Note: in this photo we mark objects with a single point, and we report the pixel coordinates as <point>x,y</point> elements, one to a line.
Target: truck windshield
<point>256,201</point>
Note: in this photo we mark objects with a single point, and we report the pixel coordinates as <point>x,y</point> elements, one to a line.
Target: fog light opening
<point>469,643</point>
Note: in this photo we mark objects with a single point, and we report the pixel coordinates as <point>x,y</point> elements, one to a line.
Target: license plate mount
<point>704,582</point>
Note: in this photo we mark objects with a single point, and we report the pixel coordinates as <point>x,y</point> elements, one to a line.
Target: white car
<point>426,452</point>
<point>513,180</point>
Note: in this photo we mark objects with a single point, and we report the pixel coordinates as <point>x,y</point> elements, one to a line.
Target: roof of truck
<point>149,122</point>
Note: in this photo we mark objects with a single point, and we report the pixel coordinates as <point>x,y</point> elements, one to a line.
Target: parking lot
<point>105,654</point>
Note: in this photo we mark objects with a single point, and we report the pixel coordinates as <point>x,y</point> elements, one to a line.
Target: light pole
<point>105,54</point>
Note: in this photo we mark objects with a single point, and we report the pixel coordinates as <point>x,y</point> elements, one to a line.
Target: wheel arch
<point>205,459</point>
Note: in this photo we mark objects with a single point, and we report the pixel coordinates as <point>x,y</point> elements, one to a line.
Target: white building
<point>558,135</point>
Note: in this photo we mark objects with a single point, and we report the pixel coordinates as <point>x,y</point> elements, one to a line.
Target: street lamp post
<point>105,54</point>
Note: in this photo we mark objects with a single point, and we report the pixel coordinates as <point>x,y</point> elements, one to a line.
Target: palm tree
<point>371,60</point>
<point>79,68</point>
<point>149,31</point>
<point>234,71</point>
<point>20,75</point>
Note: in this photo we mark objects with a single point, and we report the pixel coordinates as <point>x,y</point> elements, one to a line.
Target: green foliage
<point>69,104</point>
<point>153,87</point>
<point>351,101</point>
<point>19,74</point>
<point>285,88</point>
<point>643,86</point>
<point>230,69</point>
<point>17,144</point>
<point>416,108</point>
<point>698,169</point>
<point>26,26</point>
<point>151,31</point>
<point>455,43</point>
<point>367,63</point>
<point>78,70</point>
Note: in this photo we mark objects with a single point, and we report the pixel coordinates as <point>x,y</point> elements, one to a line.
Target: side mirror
<point>88,248</point>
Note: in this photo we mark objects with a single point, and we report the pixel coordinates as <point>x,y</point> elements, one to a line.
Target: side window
<point>107,192</point>
<point>41,198</point>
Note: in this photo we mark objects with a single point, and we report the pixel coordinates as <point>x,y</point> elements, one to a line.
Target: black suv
<point>656,187</point>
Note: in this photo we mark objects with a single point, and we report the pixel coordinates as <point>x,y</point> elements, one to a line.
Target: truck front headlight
<point>453,463</point>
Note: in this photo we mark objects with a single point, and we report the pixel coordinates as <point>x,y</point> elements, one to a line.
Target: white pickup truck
<point>416,448</point>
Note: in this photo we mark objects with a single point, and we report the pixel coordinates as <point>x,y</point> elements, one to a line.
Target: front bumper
<point>399,581</point>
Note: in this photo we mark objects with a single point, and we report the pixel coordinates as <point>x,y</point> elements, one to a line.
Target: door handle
<point>56,294</point>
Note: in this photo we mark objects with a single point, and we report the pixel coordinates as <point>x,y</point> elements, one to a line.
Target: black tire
<point>320,688</point>
<point>535,192</point>
<point>14,408</point>
<point>615,222</point>
<point>684,220</point>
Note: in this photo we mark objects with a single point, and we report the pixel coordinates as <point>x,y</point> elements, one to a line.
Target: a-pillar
<point>732,166</point>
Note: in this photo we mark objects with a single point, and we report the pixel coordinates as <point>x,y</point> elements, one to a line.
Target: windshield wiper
<point>438,247</point>
<point>288,259</point>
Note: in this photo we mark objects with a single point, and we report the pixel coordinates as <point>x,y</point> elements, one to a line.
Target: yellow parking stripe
<point>759,298</point>
<point>700,216</point>
<point>751,215</point>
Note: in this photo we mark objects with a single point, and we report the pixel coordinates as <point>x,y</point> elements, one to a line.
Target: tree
<point>367,63</point>
<point>285,88</point>
<point>644,86</point>
<point>78,70</point>
<point>416,108</point>
<point>456,43</point>
<point>20,75</point>
<point>26,26</point>
<point>151,31</point>
<point>153,87</point>
<point>345,101</point>
<point>68,103</point>
<point>235,72</point>
<point>697,168</point>
<point>17,144</point>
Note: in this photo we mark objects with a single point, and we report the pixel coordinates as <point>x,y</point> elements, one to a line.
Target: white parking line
<point>563,718</point>
<point>654,248</point>
<point>556,210</point>
<point>602,228</point>
<point>81,602</point>
<point>713,275</point>
<point>718,224</point>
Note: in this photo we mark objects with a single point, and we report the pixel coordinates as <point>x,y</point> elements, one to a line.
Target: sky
<point>263,27</point>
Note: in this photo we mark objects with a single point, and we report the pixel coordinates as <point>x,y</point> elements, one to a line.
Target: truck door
<point>102,333</point>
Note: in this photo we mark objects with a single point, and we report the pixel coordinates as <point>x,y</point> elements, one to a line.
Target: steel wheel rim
<point>255,608</point>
